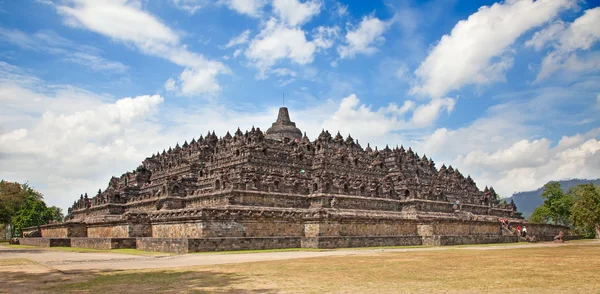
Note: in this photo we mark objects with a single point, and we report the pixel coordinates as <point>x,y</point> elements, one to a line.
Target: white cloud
<point>567,40</point>
<point>198,80</point>
<point>237,52</point>
<point>366,124</point>
<point>129,23</point>
<point>170,85</point>
<point>239,39</point>
<point>277,41</point>
<point>425,115</point>
<point>393,108</point>
<point>543,37</point>
<point>477,49</point>
<point>252,8</point>
<point>362,38</point>
<point>190,6</point>
<point>324,37</point>
<point>341,9</point>
<point>295,12</point>
<point>52,43</point>
<point>510,147</point>
<point>527,165</point>
<point>284,72</point>
<point>96,63</point>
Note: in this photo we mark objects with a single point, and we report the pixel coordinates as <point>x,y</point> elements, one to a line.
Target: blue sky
<point>508,92</point>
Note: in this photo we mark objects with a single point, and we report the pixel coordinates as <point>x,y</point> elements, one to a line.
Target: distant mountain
<point>528,201</point>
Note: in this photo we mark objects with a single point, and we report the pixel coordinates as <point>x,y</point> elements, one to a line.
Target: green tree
<point>12,196</point>
<point>558,203</point>
<point>586,210</point>
<point>541,215</point>
<point>33,212</point>
<point>56,213</point>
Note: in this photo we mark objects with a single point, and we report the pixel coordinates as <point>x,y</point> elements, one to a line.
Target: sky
<point>507,92</point>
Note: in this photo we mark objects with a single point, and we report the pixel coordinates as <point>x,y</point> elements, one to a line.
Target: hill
<point>528,201</point>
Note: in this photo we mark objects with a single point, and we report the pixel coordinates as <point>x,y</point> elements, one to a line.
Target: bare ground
<point>522,268</point>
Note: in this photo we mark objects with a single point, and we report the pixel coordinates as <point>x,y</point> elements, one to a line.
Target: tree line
<point>578,208</point>
<point>22,206</point>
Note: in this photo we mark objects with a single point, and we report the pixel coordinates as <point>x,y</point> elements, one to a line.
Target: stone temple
<point>279,189</point>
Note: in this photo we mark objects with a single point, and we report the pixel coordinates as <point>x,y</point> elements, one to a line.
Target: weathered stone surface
<point>46,242</point>
<point>104,243</point>
<point>278,189</point>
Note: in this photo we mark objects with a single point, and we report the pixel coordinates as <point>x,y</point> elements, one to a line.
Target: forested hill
<point>527,201</point>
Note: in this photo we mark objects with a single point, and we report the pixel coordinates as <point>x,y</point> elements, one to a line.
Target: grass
<point>564,269</point>
<point>15,262</point>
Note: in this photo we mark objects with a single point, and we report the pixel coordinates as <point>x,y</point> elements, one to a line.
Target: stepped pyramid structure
<point>278,189</point>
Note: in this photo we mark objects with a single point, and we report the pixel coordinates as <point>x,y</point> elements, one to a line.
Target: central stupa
<point>284,128</point>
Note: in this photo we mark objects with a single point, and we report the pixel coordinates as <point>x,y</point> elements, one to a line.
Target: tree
<point>56,213</point>
<point>541,215</point>
<point>558,203</point>
<point>22,206</point>
<point>33,212</point>
<point>586,210</point>
<point>12,196</point>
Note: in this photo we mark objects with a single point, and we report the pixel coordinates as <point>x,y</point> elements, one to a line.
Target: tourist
<point>519,229</point>
<point>524,232</point>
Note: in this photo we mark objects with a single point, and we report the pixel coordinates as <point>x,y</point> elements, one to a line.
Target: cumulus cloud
<point>277,41</point>
<point>477,51</point>
<point>127,22</point>
<point>361,39</point>
<point>424,115</point>
<point>252,8</point>
<point>369,125</point>
<point>509,146</point>
<point>566,40</point>
<point>529,164</point>
<point>294,12</point>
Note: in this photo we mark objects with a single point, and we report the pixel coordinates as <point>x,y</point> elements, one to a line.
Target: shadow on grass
<point>39,279</point>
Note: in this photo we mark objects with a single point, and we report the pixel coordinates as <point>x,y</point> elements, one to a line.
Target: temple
<point>279,189</point>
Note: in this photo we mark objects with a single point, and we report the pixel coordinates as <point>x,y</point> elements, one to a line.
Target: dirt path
<point>73,261</point>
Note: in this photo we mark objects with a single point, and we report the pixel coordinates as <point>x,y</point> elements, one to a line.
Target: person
<point>524,232</point>
<point>519,229</point>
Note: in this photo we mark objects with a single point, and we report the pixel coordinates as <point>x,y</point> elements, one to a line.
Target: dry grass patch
<point>529,270</point>
<point>565,269</point>
<point>15,261</point>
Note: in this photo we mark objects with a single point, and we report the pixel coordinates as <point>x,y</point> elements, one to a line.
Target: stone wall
<point>191,229</point>
<point>142,229</point>
<point>55,232</point>
<point>360,241</point>
<point>108,231</point>
<point>545,230</point>
<point>104,243</point>
<point>466,228</point>
<point>252,228</point>
<point>473,239</point>
<point>77,230</point>
<point>367,228</point>
<point>46,242</point>
<point>174,245</point>
<point>230,244</point>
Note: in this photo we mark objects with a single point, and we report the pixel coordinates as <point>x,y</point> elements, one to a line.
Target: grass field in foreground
<point>567,269</point>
